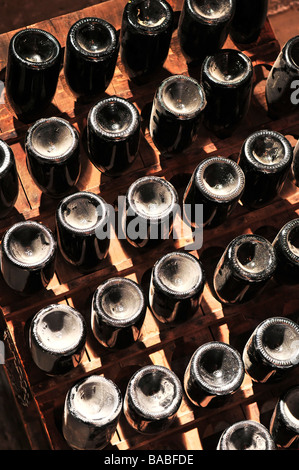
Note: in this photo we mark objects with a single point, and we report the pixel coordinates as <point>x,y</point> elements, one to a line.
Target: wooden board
<point>166,345</point>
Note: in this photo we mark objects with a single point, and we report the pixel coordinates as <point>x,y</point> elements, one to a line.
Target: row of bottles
<point>92,48</point>
<point>113,130</point>
<point>93,44</point>
<point>117,313</point>
<point>215,371</point>
<point>177,282</point>
<point>83,231</point>
<point>54,162</point>
<point>179,107</point>
<point>93,405</point>
<point>83,219</point>
<point>204,26</point>
<point>93,408</point>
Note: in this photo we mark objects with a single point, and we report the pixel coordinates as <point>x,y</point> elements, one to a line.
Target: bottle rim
<point>25,225</point>
<point>181,78</point>
<point>251,276</point>
<point>32,151</point>
<point>197,287</point>
<point>210,21</point>
<point>224,198</point>
<point>96,380</point>
<point>244,425</point>
<point>103,216</point>
<point>88,55</point>
<point>226,84</point>
<point>152,180</point>
<point>143,29</point>
<point>283,238</point>
<point>287,51</point>
<point>36,65</point>
<point>38,317</point>
<point>95,126</point>
<point>133,403</point>
<point>258,340</point>
<point>222,389</point>
<point>248,151</point>
<point>8,158</point>
<point>98,312</point>
<point>293,421</point>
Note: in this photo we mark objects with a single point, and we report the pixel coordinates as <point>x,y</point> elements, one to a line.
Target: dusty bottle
<point>281,85</point>
<point>113,135</point>
<point>244,269</point>
<point>53,155</point>
<point>227,79</point>
<point>248,21</point>
<point>33,66</point>
<point>217,184</point>
<point>91,53</point>
<point>177,114</point>
<point>284,425</point>
<point>83,229</point>
<point>295,164</point>
<point>28,255</point>
<point>204,27</point>
<point>246,435</point>
<point>9,182</point>
<point>152,399</point>
<point>176,287</point>
<point>214,373</point>
<point>149,213</point>
<point>92,410</point>
<point>57,339</point>
<point>145,36</point>
<point>287,253</point>
<point>118,312</point>
<point>266,158</point>
<point>272,350</point>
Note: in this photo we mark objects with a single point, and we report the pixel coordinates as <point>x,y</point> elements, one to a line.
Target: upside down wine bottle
<point>248,20</point>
